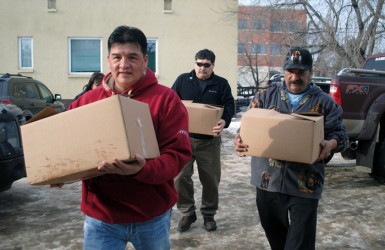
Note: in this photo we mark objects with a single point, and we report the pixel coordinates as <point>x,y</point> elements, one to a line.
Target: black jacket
<point>216,91</point>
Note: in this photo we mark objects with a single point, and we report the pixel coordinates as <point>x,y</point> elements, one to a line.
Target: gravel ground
<point>351,212</point>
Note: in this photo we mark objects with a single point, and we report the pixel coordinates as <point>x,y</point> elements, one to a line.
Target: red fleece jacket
<point>121,199</point>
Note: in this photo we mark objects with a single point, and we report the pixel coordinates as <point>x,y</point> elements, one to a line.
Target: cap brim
<point>297,66</point>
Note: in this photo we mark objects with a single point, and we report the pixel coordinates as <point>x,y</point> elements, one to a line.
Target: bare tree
<point>349,30</point>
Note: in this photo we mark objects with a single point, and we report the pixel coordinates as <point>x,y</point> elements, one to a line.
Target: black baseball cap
<point>298,58</point>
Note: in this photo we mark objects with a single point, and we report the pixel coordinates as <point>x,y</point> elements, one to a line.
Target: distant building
<point>264,36</point>
<point>62,42</point>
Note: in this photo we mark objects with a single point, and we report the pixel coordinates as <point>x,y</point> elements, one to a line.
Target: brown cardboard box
<point>69,146</point>
<point>202,117</point>
<point>271,134</point>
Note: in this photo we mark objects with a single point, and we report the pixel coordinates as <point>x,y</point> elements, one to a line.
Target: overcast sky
<point>248,2</point>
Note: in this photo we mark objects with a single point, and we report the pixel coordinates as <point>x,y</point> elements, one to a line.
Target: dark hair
<point>205,54</point>
<point>125,34</point>
<point>96,76</point>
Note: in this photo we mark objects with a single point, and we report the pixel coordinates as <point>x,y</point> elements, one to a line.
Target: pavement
<point>350,216</point>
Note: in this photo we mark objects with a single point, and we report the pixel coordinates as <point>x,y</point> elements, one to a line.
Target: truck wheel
<point>378,170</point>
<point>349,154</point>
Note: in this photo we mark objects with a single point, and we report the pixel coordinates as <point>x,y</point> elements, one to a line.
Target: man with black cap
<point>288,192</point>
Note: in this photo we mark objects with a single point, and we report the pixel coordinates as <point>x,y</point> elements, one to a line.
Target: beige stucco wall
<point>192,25</point>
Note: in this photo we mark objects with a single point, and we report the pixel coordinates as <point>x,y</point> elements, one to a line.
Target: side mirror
<point>57,97</point>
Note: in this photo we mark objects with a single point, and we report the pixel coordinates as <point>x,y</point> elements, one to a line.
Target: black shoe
<point>210,224</point>
<point>186,221</point>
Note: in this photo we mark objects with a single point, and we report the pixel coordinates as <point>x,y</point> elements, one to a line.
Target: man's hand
<point>217,130</point>
<point>119,167</point>
<point>240,148</point>
<point>326,148</point>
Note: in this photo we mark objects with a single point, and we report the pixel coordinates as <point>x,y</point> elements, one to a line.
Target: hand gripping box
<point>202,117</point>
<point>68,146</point>
<point>288,137</point>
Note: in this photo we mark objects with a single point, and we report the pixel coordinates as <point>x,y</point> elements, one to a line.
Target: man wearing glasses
<point>203,86</point>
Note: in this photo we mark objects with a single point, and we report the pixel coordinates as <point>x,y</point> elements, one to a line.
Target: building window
<point>167,6</point>
<point>152,54</point>
<point>258,49</point>
<point>242,24</point>
<point>51,5</point>
<point>292,26</point>
<point>275,49</point>
<point>242,48</point>
<point>85,55</point>
<point>275,27</point>
<point>25,53</point>
<point>259,24</point>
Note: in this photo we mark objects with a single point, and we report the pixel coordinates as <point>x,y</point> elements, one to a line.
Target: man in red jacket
<point>132,202</point>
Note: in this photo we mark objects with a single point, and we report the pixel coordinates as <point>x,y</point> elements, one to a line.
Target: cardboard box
<point>293,137</point>
<point>69,146</point>
<point>202,117</point>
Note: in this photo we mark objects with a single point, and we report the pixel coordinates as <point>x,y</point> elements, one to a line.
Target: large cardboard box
<point>293,137</point>
<point>69,146</point>
<point>202,117</point>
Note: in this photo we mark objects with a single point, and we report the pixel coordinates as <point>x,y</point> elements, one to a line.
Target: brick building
<point>264,36</point>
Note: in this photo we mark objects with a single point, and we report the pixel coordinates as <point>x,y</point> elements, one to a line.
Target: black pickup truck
<point>361,94</point>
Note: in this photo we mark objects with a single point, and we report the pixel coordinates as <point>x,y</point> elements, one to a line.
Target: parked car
<point>12,165</point>
<point>27,93</point>
<point>244,97</point>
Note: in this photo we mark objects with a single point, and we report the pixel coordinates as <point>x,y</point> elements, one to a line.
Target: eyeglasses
<point>206,65</point>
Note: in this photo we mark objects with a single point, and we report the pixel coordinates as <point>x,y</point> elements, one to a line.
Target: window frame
<point>156,54</point>
<point>242,48</point>
<point>258,24</point>
<point>292,26</point>
<point>69,40</point>
<point>20,49</point>
<point>167,6</point>
<point>275,48</point>
<point>258,49</point>
<point>242,23</point>
<point>275,27</point>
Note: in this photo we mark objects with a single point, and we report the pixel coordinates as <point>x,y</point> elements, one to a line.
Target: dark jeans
<point>289,222</point>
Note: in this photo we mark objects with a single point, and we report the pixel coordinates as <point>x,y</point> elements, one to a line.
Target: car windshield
<point>375,63</point>
<point>23,90</point>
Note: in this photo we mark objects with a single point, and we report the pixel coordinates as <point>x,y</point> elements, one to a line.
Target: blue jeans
<point>153,234</point>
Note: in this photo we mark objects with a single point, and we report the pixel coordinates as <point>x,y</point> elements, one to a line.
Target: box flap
<point>197,104</point>
<point>44,113</point>
<point>213,106</point>
<point>313,116</point>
